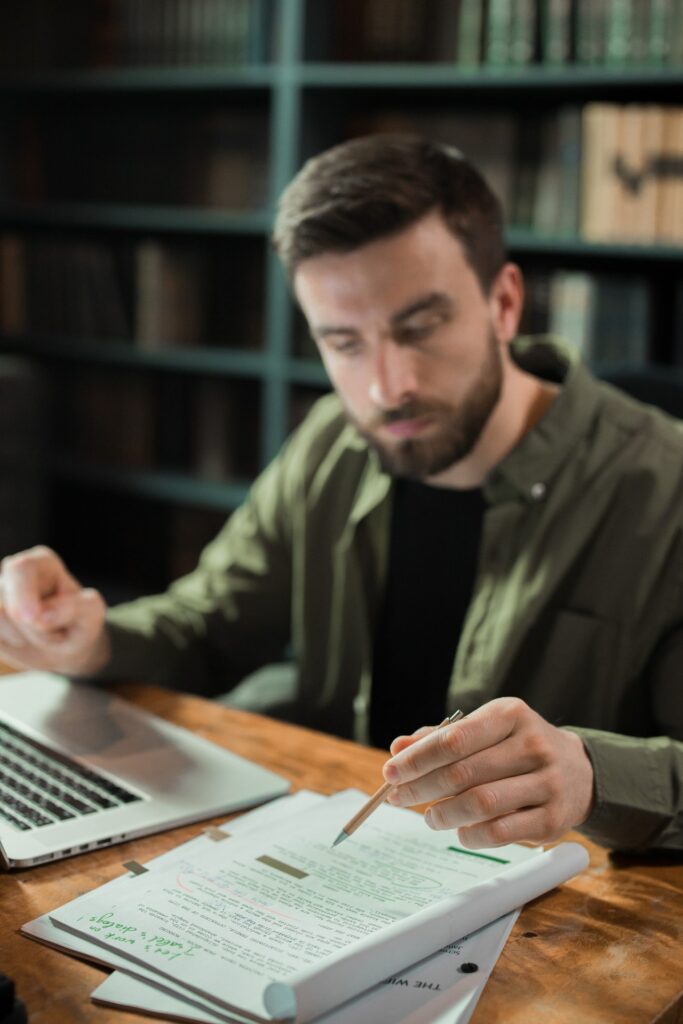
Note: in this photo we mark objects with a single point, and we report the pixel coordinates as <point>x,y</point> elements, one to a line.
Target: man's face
<point>409,342</point>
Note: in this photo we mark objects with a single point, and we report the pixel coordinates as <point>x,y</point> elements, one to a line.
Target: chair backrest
<point>657,385</point>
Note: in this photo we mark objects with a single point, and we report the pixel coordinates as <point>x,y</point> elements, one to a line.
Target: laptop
<point>80,769</point>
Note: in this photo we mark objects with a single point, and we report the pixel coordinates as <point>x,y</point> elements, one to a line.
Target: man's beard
<point>456,430</point>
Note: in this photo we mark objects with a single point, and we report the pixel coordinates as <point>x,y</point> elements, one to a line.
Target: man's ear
<point>507,300</point>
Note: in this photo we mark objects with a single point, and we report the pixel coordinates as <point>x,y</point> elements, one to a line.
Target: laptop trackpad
<point>91,723</point>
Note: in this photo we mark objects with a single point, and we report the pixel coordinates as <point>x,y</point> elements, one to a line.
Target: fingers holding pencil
<point>380,795</point>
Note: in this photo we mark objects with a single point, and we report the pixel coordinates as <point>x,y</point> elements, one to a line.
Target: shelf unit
<point>304,102</point>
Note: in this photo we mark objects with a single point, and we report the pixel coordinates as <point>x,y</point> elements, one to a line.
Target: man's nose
<point>394,380</point>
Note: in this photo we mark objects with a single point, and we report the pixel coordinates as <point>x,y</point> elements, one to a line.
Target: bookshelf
<point>142,148</point>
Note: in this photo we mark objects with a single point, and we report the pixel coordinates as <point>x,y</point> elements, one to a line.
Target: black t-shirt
<point>433,553</point>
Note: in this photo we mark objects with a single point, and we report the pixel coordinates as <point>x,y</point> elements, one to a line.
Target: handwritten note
<point>229,920</point>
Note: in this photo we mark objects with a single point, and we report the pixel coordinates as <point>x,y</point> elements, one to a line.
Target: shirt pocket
<point>568,668</point>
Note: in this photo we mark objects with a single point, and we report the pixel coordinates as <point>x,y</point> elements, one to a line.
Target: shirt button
<point>537,491</point>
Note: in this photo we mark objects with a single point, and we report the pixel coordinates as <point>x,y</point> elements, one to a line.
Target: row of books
<point>213,159</point>
<point>511,33</point>
<point>90,291</point>
<point>603,318</point>
<point>632,173</point>
<point>607,172</point>
<point>606,318</point>
<point>39,35</point>
<point>156,294</point>
<point>205,428</point>
<point>188,32</point>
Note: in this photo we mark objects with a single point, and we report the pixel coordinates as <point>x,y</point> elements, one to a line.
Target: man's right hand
<point>47,619</point>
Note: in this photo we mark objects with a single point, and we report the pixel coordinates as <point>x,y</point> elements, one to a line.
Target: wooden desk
<point>606,947</point>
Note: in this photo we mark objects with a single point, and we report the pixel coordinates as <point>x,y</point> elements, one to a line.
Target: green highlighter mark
<point>483,856</point>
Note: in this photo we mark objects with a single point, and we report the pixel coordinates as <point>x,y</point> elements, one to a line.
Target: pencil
<point>380,795</point>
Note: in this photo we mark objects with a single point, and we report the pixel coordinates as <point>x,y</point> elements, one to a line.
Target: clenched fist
<point>47,620</point>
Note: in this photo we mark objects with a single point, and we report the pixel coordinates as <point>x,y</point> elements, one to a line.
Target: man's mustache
<point>409,411</point>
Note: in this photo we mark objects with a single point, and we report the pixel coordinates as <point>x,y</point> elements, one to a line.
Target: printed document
<point>278,925</point>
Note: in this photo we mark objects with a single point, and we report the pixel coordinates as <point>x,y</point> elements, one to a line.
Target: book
<point>471,33</point>
<point>569,158</point>
<point>228,165</point>
<point>619,331</point>
<point>556,32</point>
<point>276,924</point>
<point>214,431</point>
<point>523,33</point>
<point>652,149</point>
<point>670,180</point>
<point>659,29</point>
<point>599,188</point>
<point>572,299</point>
<point>591,31</point>
<point>498,32</point>
<point>630,172</point>
<point>548,198</point>
<point>619,31</point>
<point>604,319</point>
<point>170,301</point>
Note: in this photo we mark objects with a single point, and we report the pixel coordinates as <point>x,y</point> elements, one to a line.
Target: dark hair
<point>376,185</point>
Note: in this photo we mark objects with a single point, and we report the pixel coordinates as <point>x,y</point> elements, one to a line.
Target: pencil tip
<point>340,838</point>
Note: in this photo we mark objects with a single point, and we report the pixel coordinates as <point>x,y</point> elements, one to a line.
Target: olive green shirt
<point>577,606</point>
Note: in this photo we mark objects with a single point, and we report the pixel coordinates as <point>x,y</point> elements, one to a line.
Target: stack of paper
<point>275,924</point>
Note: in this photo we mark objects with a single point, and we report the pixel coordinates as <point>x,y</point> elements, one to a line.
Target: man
<point>466,523</point>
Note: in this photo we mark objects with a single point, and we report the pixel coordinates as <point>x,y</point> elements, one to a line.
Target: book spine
<point>570,170</point>
<point>599,137</point>
<point>258,32</point>
<point>523,33</point>
<point>639,35</point>
<point>548,198</point>
<point>676,36</point>
<point>555,32</point>
<point>659,32</point>
<point>470,33</point>
<point>652,129</point>
<point>619,31</point>
<point>444,40</point>
<point>591,31</point>
<point>498,32</point>
<point>629,173</point>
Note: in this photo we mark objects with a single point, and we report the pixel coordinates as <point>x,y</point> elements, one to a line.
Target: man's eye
<point>416,332</point>
<point>347,347</point>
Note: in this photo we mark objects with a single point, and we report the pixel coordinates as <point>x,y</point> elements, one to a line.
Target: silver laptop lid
<point>170,776</point>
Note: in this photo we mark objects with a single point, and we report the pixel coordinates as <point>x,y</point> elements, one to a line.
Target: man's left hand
<point>501,775</point>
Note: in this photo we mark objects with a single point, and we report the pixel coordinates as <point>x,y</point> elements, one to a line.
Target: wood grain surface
<point>606,947</point>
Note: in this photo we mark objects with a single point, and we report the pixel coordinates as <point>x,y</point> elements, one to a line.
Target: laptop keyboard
<point>38,789</point>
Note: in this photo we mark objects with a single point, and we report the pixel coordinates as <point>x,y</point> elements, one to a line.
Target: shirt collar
<point>529,469</point>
